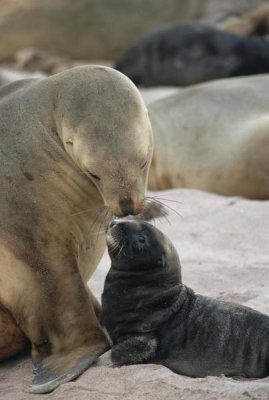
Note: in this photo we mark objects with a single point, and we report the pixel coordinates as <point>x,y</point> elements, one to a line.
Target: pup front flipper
<point>134,350</point>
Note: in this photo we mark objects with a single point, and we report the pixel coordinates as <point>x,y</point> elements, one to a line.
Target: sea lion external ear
<point>69,141</point>
<point>162,261</point>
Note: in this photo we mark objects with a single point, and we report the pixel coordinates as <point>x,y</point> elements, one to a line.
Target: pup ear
<point>162,261</point>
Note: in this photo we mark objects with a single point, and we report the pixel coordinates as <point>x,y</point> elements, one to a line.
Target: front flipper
<point>134,350</point>
<point>64,367</point>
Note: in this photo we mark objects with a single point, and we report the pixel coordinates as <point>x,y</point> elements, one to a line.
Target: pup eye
<point>94,176</point>
<point>139,242</point>
<point>141,239</point>
<point>143,166</point>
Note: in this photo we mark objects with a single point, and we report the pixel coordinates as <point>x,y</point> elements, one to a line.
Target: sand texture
<point>223,245</point>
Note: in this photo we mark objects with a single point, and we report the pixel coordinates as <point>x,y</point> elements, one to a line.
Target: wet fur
<point>152,317</point>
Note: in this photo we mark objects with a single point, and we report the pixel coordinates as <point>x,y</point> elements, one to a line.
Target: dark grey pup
<point>152,317</point>
<point>183,55</point>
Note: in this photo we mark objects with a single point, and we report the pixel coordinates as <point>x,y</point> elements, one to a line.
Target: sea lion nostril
<point>112,223</point>
<point>127,206</point>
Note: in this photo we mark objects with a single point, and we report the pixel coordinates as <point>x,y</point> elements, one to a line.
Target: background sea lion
<point>152,317</point>
<point>218,11</point>
<point>254,22</point>
<point>213,137</point>
<point>75,149</point>
<point>11,75</point>
<point>187,54</point>
<point>85,29</point>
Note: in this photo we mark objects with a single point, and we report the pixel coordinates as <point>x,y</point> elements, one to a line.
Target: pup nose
<point>127,206</point>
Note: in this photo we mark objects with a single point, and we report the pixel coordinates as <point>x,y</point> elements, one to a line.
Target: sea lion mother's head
<point>104,127</point>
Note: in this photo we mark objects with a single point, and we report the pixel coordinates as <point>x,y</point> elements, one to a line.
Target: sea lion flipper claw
<point>56,369</point>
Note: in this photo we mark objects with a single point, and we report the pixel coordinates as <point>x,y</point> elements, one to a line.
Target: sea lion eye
<point>141,239</point>
<point>94,176</point>
<point>139,242</point>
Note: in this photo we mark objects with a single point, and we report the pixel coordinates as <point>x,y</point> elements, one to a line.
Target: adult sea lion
<point>152,317</point>
<point>75,149</point>
<point>85,29</point>
<point>213,137</point>
<point>183,55</point>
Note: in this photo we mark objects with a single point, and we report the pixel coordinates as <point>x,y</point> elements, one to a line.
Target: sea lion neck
<point>37,101</point>
<point>174,302</point>
<point>147,309</point>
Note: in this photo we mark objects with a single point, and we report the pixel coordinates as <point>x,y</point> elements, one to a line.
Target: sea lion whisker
<point>152,210</point>
<point>165,199</point>
<point>103,223</point>
<point>96,222</point>
<point>113,244</point>
<point>165,205</point>
<point>161,199</point>
<point>102,219</point>
<point>102,226</point>
<point>98,232</point>
<point>163,213</point>
<point>120,249</point>
<point>81,212</point>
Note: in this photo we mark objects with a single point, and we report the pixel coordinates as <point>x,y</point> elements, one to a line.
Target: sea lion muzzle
<point>121,231</point>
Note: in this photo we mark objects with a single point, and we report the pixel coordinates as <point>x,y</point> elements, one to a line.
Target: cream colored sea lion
<point>219,11</point>
<point>85,29</point>
<point>213,137</point>
<point>75,150</point>
<point>254,22</point>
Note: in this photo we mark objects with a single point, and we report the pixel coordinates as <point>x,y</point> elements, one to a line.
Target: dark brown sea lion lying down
<point>152,317</point>
<point>183,55</point>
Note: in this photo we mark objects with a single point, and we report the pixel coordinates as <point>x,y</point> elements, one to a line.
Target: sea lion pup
<point>183,55</point>
<point>152,317</point>
<point>213,137</point>
<point>75,150</point>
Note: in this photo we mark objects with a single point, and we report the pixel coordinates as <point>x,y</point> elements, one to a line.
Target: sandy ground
<point>223,246</point>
